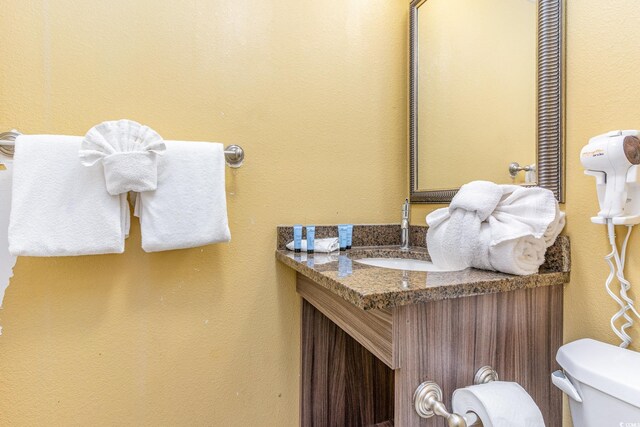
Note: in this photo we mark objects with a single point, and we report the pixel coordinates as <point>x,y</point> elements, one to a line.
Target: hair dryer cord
<point>617,270</point>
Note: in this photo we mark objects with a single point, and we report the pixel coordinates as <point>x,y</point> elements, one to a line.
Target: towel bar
<point>233,154</point>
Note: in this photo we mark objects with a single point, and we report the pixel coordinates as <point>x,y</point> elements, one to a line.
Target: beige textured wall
<point>316,94</point>
<point>210,337</point>
<point>602,92</point>
<point>477,89</point>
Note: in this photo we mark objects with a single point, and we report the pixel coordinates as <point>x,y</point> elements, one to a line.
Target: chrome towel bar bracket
<point>233,154</point>
<point>427,400</point>
<point>7,141</point>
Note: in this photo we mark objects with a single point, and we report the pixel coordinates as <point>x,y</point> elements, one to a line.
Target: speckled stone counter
<point>370,287</point>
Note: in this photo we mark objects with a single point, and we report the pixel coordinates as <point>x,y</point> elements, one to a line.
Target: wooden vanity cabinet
<point>361,368</point>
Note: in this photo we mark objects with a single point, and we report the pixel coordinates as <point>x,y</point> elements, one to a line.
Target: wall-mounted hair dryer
<point>613,159</point>
<point>609,158</point>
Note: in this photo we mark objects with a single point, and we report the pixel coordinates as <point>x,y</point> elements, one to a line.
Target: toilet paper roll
<point>498,404</point>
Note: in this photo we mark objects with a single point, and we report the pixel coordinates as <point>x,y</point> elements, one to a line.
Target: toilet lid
<point>610,369</point>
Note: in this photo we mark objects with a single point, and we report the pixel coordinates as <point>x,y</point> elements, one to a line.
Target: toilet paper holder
<point>428,399</point>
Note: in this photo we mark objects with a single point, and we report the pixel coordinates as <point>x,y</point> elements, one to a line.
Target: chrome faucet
<point>404,227</point>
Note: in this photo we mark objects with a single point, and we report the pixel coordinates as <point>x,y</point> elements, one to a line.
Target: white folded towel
<point>479,197</point>
<point>524,224</point>
<point>555,228</point>
<point>127,152</point>
<point>7,261</point>
<point>60,207</point>
<point>453,242</point>
<point>512,237</point>
<point>325,245</point>
<point>443,242</point>
<point>189,207</point>
<point>523,211</point>
<point>521,256</point>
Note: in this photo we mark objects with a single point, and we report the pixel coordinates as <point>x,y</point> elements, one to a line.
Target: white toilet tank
<point>602,382</point>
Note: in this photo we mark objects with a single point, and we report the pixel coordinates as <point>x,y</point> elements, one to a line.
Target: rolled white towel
<point>522,211</point>
<point>447,242</point>
<point>437,217</point>
<point>453,235</point>
<point>521,256</point>
<point>438,222</point>
<point>479,197</point>
<point>555,228</point>
<point>481,257</point>
<point>512,238</point>
<point>325,245</point>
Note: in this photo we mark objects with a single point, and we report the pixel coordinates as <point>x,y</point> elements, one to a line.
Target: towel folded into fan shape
<point>128,152</point>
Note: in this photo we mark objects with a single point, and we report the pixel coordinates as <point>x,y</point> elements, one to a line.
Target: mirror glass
<point>475,91</point>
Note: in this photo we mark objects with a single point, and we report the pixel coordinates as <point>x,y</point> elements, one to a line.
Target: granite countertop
<point>370,287</point>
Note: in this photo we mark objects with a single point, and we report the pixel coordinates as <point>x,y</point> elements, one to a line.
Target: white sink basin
<point>401,264</point>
